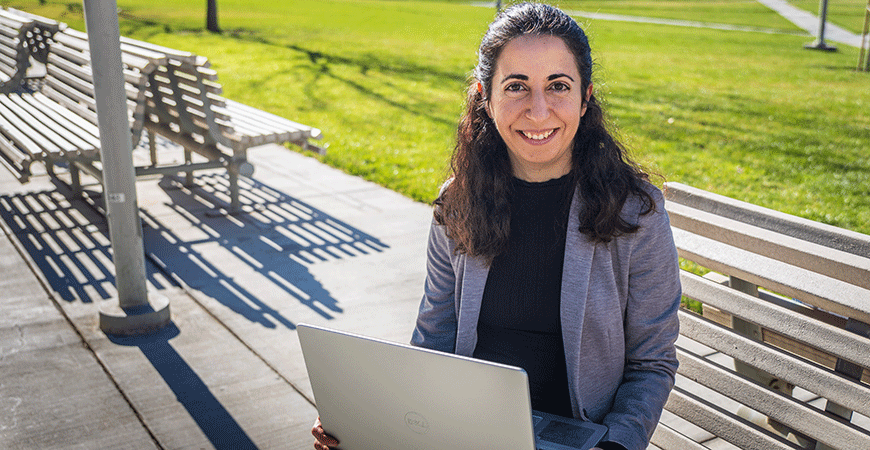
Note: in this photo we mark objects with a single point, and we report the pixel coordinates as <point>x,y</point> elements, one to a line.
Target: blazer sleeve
<point>651,328</point>
<point>436,318</point>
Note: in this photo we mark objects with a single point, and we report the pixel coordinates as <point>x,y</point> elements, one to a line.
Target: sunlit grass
<point>749,115</point>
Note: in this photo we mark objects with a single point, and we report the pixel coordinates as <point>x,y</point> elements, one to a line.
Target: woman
<point>549,249</point>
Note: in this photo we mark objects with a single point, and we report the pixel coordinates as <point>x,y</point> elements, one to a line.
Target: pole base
<point>820,45</point>
<point>137,320</point>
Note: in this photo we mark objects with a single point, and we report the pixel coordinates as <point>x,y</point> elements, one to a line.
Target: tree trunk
<point>211,17</point>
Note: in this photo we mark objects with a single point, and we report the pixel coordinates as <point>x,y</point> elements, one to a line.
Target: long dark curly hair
<point>475,204</point>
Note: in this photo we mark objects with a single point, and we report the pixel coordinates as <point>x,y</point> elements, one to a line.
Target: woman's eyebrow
<point>517,76</point>
<point>559,75</point>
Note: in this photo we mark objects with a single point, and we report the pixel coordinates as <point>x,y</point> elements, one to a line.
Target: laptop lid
<point>373,395</point>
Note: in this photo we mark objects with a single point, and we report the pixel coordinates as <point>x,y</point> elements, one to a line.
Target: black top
<point>519,320</point>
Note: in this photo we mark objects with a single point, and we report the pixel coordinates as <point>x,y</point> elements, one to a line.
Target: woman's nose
<point>538,107</point>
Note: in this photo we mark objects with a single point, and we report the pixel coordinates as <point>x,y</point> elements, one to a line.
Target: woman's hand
<point>324,441</point>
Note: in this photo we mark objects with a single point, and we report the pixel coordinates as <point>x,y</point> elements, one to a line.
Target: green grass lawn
<point>748,115</point>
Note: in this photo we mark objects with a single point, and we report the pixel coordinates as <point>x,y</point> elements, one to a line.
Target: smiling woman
<point>550,250</point>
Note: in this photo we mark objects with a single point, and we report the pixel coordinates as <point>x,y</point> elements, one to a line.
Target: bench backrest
<point>185,103</point>
<point>22,37</point>
<point>806,329</point>
<point>184,97</point>
<point>69,79</point>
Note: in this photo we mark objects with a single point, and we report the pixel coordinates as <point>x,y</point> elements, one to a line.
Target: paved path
<point>675,22</point>
<point>324,247</point>
<point>809,22</point>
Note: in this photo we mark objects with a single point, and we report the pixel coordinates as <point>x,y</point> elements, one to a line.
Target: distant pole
<point>211,16</point>
<point>131,312</point>
<point>819,43</point>
<point>498,5</point>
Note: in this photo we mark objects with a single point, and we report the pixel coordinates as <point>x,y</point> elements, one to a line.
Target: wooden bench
<point>56,123</point>
<point>780,357</point>
<point>185,105</point>
<point>169,92</point>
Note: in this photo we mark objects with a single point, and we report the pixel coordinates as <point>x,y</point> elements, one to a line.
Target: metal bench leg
<point>235,204</point>
<point>75,179</point>
<point>239,167</point>
<point>152,147</point>
<point>188,176</point>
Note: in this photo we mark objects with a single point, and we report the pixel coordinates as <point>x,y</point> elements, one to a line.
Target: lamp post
<point>134,311</point>
<point>819,43</point>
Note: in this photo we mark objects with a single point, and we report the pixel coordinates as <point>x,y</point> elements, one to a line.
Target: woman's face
<point>536,103</point>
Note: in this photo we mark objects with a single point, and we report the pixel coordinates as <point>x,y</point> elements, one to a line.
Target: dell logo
<point>417,423</point>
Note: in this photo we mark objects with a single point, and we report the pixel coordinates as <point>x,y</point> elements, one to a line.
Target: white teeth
<point>538,137</point>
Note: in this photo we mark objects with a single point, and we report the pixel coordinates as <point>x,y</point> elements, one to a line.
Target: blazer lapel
<point>576,272</point>
<point>473,282</point>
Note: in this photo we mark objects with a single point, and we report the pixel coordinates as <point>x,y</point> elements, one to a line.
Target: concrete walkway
<point>324,248</point>
<point>810,22</point>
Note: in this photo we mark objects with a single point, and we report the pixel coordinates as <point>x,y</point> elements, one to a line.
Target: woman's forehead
<point>536,56</point>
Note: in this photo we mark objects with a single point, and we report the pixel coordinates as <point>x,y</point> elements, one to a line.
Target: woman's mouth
<point>538,135</point>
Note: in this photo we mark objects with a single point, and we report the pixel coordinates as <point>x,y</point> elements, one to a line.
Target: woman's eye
<point>560,87</point>
<point>514,87</point>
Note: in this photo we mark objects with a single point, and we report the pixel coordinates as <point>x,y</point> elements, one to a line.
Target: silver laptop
<point>376,395</point>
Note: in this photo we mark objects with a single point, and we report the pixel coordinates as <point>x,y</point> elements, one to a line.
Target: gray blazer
<point>618,312</point>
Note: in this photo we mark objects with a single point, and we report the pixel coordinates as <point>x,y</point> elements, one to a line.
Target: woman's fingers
<point>324,441</point>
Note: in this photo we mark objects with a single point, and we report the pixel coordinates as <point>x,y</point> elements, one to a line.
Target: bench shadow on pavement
<point>270,247</point>
<point>240,261</point>
<point>68,241</point>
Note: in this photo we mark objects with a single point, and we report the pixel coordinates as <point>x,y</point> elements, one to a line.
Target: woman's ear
<point>483,97</point>
<point>587,95</point>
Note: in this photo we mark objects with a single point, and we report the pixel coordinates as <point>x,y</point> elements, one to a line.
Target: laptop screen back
<point>374,395</point>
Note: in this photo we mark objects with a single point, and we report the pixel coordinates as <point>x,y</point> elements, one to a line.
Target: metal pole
<point>820,44</point>
<point>132,312</point>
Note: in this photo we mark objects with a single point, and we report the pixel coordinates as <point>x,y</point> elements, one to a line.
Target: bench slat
<point>814,332</point>
<point>818,290</point>
<point>12,153</point>
<point>834,263</point>
<point>160,50</point>
<point>70,98</point>
<point>807,375</point>
<point>80,122</point>
<point>799,416</point>
<point>20,167</point>
<point>665,437</point>
<point>719,422</point>
<point>43,125</point>
<point>269,120</point>
<point>23,135</point>
<point>82,129</point>
<point>786,224</point>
